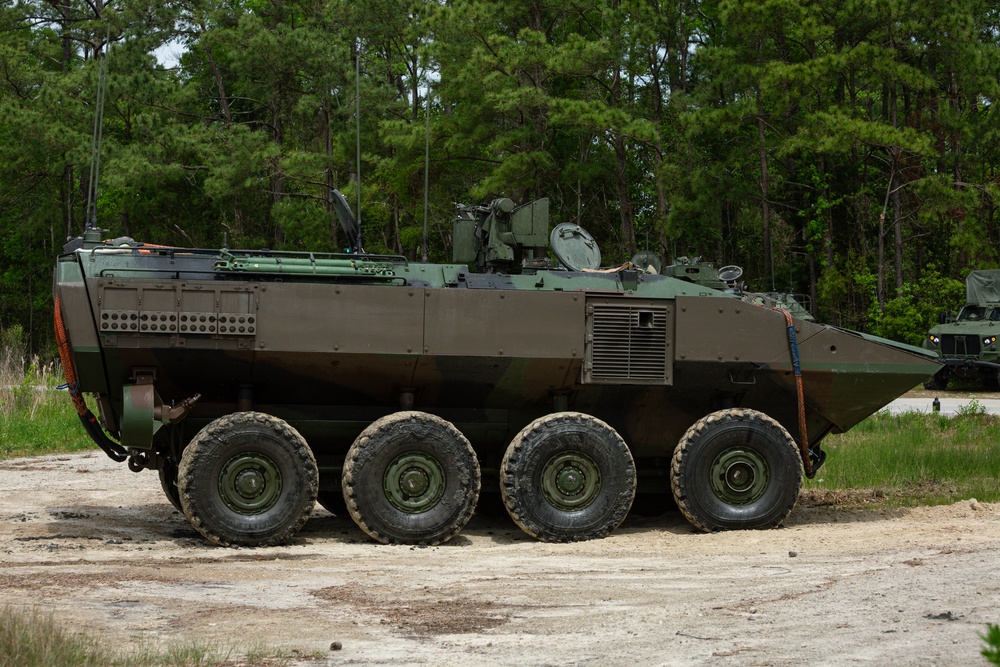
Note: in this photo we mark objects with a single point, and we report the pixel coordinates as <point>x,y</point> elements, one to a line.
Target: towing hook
<point>817,457</point>
<point>138,460</point>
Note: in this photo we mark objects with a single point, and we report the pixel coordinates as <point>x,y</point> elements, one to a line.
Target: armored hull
<point>343,350</point>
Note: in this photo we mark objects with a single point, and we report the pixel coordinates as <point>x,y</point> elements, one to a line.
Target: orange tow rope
<point>69,371</point>
<point>794,350</point>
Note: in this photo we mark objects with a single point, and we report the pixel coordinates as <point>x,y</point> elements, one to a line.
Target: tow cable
<point>115,451</point>
<point>811,460</point>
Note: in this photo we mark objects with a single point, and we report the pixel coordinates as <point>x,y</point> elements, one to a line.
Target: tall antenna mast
<point>427,165</point>
<point>357,119</point>
<point>90,213</point>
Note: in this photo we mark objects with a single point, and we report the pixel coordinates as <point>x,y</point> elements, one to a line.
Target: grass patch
<point>912,459</point>
<point>31,638</point>
<point>35,417</point>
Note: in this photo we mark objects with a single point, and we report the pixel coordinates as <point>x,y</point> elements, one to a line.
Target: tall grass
<point>31,638</point>
<point>35,417</point>
<point>916,458</point>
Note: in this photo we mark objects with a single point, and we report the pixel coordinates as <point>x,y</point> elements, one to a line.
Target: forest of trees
<point>847,149</point>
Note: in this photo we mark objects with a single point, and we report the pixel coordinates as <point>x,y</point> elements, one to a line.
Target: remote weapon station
<point>258,382</point>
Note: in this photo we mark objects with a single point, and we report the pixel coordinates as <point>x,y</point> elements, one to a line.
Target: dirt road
<point>102,549</point>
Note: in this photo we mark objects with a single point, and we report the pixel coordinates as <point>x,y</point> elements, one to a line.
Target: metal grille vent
<point>967,345</point>
<point>627,344</point>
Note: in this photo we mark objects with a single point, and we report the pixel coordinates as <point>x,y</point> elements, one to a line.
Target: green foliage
<point>687,128</point>
<point>916,458</point>
<point>35,417</point>
<point>992,649</point>
<point>32,638</point>
<point>910,315</point>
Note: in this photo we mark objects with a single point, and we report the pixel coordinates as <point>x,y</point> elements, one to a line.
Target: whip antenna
<point>357,120</point>
<point>90,214</point>
<point>427,165</point>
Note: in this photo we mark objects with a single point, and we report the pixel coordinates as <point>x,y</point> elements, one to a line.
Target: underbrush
<point>35,416</point>
<point>32,638</point>
<point>913,458</point>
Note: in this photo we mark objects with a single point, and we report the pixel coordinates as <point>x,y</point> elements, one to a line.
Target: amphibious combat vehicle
<point>256,382</point>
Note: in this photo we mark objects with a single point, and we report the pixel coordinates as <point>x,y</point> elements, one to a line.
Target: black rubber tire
<point>436,516</point>
<point>988,377</point>
<point>272,456</point>
<point>938,381</point>
<point>539,447</point>
<point>743,434</point>
<point>168,481</point>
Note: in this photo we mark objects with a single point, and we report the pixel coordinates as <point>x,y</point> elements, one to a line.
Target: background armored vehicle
<point>968,344</point>
<point>256,382</point>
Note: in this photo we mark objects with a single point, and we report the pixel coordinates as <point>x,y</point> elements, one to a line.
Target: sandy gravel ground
<point>101,548</point>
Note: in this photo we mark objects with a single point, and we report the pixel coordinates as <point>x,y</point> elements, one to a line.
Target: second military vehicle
<point>968,343</point>
<point>256,382</point>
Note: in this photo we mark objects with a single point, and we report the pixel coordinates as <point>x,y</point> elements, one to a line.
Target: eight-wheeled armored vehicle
<point>968,343</point>
<point>256,382</point>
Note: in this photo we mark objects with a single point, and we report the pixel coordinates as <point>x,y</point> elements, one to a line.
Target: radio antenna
<point>90,214</point>
<point>427,165</point>
<point>357,121</point>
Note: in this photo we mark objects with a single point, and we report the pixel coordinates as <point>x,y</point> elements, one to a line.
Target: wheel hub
<point>739,476</point>
<point>571,481</point>
<point>250,483</point>
<point>414,482</point>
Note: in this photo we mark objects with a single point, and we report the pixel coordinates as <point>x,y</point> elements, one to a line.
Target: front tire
<point>411,478</point>
<point>736,469</point>
<point>567,477</point>
<point>247,479</point>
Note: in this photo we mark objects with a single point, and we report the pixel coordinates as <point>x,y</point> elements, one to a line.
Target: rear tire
<point>736,469</point>
<point>411,478</point>
<point>938,381</point>
<point>247,479</point>
<point>168,481</point>
<point>567,477</point>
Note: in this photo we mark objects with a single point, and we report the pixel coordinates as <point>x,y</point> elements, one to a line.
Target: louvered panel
<point>628,341</point>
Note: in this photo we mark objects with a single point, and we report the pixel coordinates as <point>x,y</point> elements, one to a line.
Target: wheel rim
<point>250,483</point>
<point>739,476</point>
<point>571,481</point>
<point>414,482</point>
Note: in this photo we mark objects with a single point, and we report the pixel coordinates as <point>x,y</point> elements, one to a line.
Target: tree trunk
<point>217,75</point>
<point>624,202</point>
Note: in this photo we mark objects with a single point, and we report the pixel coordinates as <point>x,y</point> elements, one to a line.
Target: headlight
<point>989,340</point>
<point>935,339</point>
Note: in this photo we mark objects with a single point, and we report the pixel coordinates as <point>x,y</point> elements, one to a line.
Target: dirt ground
<point>101,548</point>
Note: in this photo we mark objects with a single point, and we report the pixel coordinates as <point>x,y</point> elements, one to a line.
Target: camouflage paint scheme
<point>331,352</point>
